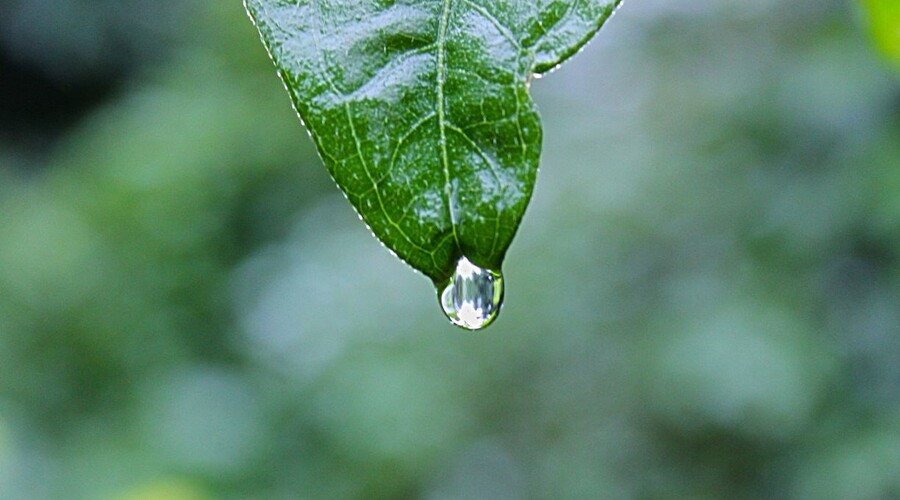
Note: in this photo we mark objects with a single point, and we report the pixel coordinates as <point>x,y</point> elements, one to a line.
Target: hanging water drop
<point>473,296</point>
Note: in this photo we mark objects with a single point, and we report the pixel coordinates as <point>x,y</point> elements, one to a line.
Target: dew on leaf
<point>472,297</point>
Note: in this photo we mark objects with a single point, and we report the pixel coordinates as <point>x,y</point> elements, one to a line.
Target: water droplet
<point>473,296</point>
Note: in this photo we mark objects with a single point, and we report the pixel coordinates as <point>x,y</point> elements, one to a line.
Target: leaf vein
<point>546,29</point>
<point>504,31</point>
<point>352,123</point>
<point>442,125</point>
<point>492,164</point>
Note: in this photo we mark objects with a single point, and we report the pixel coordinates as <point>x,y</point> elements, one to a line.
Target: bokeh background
<point>703,300</point>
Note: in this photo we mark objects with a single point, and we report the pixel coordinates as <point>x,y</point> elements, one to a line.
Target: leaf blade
<point>421,112</point>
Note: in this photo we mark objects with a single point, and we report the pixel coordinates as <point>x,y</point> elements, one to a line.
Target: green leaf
<point>420,110</point>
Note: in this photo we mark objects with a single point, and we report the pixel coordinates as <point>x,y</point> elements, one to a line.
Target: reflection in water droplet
<point>473,296</point>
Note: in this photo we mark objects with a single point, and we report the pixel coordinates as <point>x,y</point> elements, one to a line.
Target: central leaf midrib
<point>441,69</point>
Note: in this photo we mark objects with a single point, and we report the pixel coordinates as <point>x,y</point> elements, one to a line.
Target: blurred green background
<point>703,300</point>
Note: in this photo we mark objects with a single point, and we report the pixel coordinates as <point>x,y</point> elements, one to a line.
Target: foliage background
<point>703,301</point>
